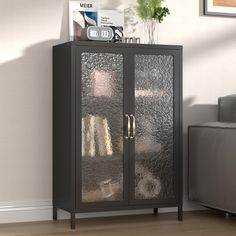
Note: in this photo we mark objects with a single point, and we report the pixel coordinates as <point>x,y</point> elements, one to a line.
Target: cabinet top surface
<point>119,45</point>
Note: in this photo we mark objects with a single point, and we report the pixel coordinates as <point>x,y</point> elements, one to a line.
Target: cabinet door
<point>101,147</point>
<point>155,147</point>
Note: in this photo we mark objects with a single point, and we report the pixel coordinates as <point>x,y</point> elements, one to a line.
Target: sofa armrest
<point>227,108</point>
<point>212,165</point>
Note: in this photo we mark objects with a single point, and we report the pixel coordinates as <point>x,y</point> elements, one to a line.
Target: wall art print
<point>220,7</point>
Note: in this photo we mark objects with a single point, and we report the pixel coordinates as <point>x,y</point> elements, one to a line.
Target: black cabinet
<point>117,127</point>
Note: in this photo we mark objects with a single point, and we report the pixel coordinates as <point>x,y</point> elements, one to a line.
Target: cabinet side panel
<point>62,153</point>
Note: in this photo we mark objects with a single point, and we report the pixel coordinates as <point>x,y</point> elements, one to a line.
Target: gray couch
<point>212,159</point>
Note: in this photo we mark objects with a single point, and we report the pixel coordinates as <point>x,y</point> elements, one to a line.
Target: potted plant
<point>152,13</point>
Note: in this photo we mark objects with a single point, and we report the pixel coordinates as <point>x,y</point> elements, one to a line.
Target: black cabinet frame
<point>67,129</point>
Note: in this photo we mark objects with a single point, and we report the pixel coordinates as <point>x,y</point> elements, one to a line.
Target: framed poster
<point>220,7</point>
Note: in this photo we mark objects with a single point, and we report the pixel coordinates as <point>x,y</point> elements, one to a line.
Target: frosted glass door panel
<point>102,127</point>
<point>154,127</point>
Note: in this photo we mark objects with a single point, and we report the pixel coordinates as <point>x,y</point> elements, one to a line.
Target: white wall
<point>29,28</point>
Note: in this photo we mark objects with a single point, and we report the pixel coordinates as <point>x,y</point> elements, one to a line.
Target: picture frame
<point>220,7</point>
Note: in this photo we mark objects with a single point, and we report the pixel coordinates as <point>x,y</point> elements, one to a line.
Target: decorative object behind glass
<point>154,119</point>
<point>102,127</point>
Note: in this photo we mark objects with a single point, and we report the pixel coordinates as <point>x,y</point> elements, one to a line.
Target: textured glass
<point>102,127</point>
<point>154,127</point>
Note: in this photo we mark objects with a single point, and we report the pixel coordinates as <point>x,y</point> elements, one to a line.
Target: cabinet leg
<point>180,213</point>
<point>227,216</point>
<point>155,211</point>
<point>54,213</point>
<point>72,220</point>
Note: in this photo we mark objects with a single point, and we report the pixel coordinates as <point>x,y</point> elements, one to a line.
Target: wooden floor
<point>194,224</point>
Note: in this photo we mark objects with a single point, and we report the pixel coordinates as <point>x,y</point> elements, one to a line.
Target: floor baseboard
<point>13,212</point>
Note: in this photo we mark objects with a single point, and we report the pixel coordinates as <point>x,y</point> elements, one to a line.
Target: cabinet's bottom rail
<point>155,212</point>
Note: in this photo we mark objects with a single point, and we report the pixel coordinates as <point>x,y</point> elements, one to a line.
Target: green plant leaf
<point>151,9</point>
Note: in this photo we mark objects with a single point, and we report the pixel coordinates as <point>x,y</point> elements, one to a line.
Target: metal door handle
<point>133,126</point>
<point>128,125</point>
